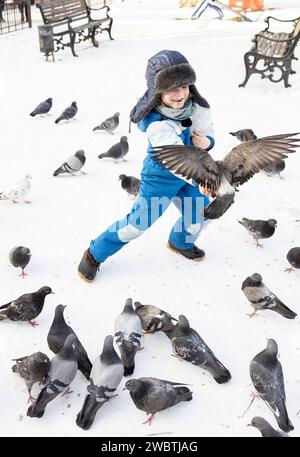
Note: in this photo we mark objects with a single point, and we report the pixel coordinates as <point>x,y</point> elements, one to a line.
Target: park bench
<point>72,22</point>
<point>272,52</point>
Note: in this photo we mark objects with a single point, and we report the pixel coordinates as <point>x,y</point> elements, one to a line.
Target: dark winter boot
<point>88,267</point>
<point>194,254</point>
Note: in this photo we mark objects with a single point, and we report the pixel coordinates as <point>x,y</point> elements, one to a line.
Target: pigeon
<point>260,297</point>
<point>42,108</point>
<point>189,345</point>
<point>154,319</point>
<point>110,124</point>
<point>68,113</point>
<point>293,256</point>
<point>130,184</point>
<point>57,335</point>
<point>266,429</point>
<point>18,192</point>
<point>128,332</point>
<point>274,169</point>
<point>106,375</point>
<point>32,368</point>
<point>222,177</point>
<point>259,229</point>
<point>117,151</point>
<point>267,377</point>
<point>72,165</point>
<point>62,371</point>
<point>244,135</point>
<point>20,256</point>
<point>153,395</point>
<point>26,307</point>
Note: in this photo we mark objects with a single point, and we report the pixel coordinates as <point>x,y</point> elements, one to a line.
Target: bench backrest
<point>56,10</point>
<point>297,28</point>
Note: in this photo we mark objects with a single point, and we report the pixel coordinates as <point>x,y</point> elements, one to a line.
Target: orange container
<point>253,5</point>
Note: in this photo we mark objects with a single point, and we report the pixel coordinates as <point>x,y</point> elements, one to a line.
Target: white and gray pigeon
<point>293,256</point>
<point>154,319</point>
<point>62,372</point>
<point>110,124</point>
<point>188,345</point>
<point>261,298</point>
<point>42,108</point>
<point>153,395</point>
<point>223,176</point>
<point>267,377</point>
<point>19,257</point>
<point>259,229</point>
<point>106,375</point>
<point>32,368</point>
<point>130,184</point>
<point>244,135</point>
<point>118,151</point>
<point>274,169</point>
<point>18,192</point>
<point>72,165</point>
<point>128,332</point>
<point>266,429</point>
<point>68,113</point>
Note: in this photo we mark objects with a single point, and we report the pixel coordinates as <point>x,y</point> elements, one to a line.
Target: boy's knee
<point>129,233</point>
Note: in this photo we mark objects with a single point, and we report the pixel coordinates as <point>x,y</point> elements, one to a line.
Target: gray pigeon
<point>293,256</point>
<point>153,395</point>
<point>266,429</point>
<point>130,184</point>
<point>26,307</point>
<point>62,371</point>
<point>32,368</point>
<point>261,298</point>
<point>128,332</point>
<point>244,135</point>
<point>154,319</point>
<point>117,151</point>
<point>19,257</point>
<point>72,165</point>
<point>259,229</point>
<point>110,124</point>
<point>106,375</point>
<point>275,168</point>
<point>222,177</point>
<point>42,108</point>
<point>267,377</point>
<point>57,335</point>
<point>68,113</point>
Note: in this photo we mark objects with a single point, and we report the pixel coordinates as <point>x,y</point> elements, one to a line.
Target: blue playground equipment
<point>204,4</point>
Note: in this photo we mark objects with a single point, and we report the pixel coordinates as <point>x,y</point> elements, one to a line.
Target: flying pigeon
<point>42,108</point>
<point>57,335</point>
<point>128,332</point>
<point>130,184</point>
<point>62,371</point>
<point>244,135</point>
<point>266,429</point>
<point>293,256</point>
<point>154,319</point>
<point>27,307</point>
<point>32,368</point>
<point>259,229</point>
<point>267,377</point>
<point>153,395</point>
<point>106,375</point>
<point>68,113</point>
<point>260,297</point>
<point>110,124</point>
<point>19,257</point>
<point>72,165</point>
<point>117,151</point>
<point>221,177</point>
<point>18,192</point>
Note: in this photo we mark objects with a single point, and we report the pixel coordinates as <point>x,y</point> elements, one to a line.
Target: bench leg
<point>248,66</point>
<point>72,43</point>
<point>94,41</point>
<point>109,30</point>
<point>286,73</point>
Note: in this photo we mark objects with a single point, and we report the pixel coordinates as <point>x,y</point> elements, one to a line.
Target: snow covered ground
<point>67,212</point>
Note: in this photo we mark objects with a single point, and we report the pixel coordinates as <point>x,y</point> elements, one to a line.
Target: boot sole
<point>84,278</point>
<point>196,259</point>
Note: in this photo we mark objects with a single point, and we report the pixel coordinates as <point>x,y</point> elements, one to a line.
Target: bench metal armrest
<point>98,9</point>
<point>267,20</point>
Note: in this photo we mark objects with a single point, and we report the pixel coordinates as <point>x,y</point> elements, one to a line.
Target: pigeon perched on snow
<point>68,113</point>
<point>117,151</point>
<point>106,375</point>
<point>260,297</point>
<point>72,165</point>
<point>259,229</point>
<point>62,371</point>
<point>130,184</point>
<point>244,135</point>
<point>32,368</point>
<point>110,124</point>
<point>293,256</point>
<point>26,307</point>
<point>267,377</point>
<point>153,395</point>
<point>42,108</point>
<point>266,429</point>
<point>154,319</point>
<point>128,332</point>
<point>18,192</point>
<point>57,335</point>
<point>221,177</point>
<point>19,257</point>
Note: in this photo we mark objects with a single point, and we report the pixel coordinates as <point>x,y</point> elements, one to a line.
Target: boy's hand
<point>199,140</point>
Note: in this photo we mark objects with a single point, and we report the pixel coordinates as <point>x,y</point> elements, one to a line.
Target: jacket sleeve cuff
<point>212,142</point>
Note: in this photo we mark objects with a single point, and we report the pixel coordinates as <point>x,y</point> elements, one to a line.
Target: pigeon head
<point>256,279</point>
<point>272,348</point>
<point>137,305</point>
<point>59,310</point>
<point>128,306</point>
<point>45,290</point>
<point>272,222</point>
<point>244,135</point>
<point>123,139</point>
<point>69,344</point>
<point>80,154</point>
<point>135,386</point>
<point>183,322</point>
<point>49,100</point>
<point>40,357</point>
<point>117,114</point>
<point>28,176</point>
<point>258,422</point>
<point>121,177</point>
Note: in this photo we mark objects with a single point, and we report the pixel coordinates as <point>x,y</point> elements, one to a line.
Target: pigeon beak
<point>52,293</point>
<point>249,425</point>
<point>124,388</point>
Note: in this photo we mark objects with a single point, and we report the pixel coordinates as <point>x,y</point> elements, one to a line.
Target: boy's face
<point>175,98</point>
